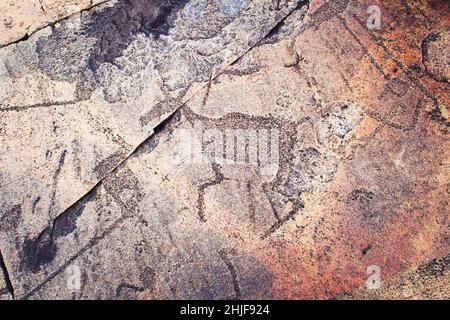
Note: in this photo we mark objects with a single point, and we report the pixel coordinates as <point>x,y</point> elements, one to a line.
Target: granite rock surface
<point>247,149</point>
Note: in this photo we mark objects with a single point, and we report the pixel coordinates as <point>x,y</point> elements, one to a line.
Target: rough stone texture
<point>20,19</point>
<point>430,281</point>
<point>96,175</point>
<point>4,291</point>
<point>78,101</point>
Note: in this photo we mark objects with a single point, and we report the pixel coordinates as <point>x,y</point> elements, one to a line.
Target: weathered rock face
<point>6,288</point>
<point>427,281</point>
<point>134,75</point>
<point>227,149</point>
<point>20,20</point>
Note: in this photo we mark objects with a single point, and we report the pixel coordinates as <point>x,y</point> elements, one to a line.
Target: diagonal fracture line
<point>6,277</point>
<point>28,34</point>
<point>168,119</point>
<point>166,123</point>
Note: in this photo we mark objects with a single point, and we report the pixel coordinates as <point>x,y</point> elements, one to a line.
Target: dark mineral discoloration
<point>436,267</point>
<point>115,27</point>
<point>250,278</point>
<point>361,167</point>
<point>366,250</point>
<point>435,57</point>
<point>148,278</point>
<point>437,116</point>
<point>361,195</point>
<point>10,220</point>
<point>75,55</point>
<point>40,251</point>
<point>255,279</point>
